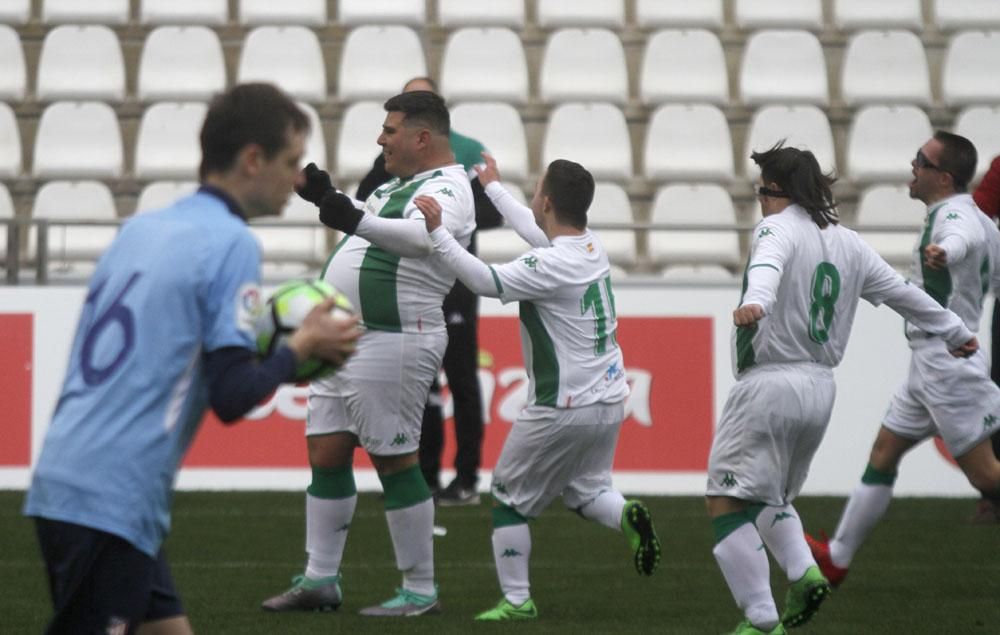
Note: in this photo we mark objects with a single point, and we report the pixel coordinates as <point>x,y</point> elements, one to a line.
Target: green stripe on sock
<point>335,482</point>
<point>728,523</point>
<point>504,516</point>
<point>404,489</point>
<point>876,477</point>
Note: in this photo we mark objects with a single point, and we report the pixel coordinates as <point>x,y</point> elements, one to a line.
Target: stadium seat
<point>681,204</point>
<point>360,12</point>
<point>357,144</point>
<point>288,56</point>
<point>486,64</point>
<point>581,13</point>
<point>15,11</point>
<point>377,60</point>
<point>268,12</point>
<point>883,140</point>
<point>966,14</point>
<point>698,274</point>
<point>302,245</point>
<point>890,206</point>
<point>13,76</point>
<point>6,211</point>
<point>888,67</point>
<point>799,56</point>
<point>584,65</point>
<point>653,14</point>
<point>159,194</point>
<point>851,15</point>
<point>770,14</point>
<point>981,125</point>
<point>502,244</point>
<point>497,126</point>
<point>316,142</point>
<point>611,205</point>
<point>167,143</point>
<point>78,140</point>
<point>174,12</point>
<point>594,135</point>
<point>969,75</point>
<point>10,144</point>
<point>78,201</point>
<point>804,127</point>
<point>81,62</point>
<point>181,63</point>
<point>688,142</point>
<point>458,13</point>
<point>89,12</point>
<point>684,65</point>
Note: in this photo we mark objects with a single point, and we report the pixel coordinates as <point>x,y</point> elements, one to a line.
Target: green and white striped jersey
<point>395,293</point>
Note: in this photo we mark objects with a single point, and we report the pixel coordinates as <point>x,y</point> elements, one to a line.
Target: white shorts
<point>557,451</point>
<point>770,428</point>
<point>379,395</point>
<point>945,395</point>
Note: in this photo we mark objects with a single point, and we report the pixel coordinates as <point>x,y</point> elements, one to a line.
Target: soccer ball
<point>284,312</point>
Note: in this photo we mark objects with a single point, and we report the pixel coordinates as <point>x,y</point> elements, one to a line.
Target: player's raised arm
<point>473,272</point>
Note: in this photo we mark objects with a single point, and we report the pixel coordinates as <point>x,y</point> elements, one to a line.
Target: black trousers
<point>461,367</point>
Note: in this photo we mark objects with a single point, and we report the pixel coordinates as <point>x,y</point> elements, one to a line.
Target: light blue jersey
<point>174,284</point>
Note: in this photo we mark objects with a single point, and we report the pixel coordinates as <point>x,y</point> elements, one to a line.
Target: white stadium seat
<point>705,14</point>
<point>594,135</point>
<point>891,206</point>
<point>301,12</point>
<point>684,65</point>
<point>81,62</point>
<point>358,12</point>
<point>10,144</point>
<point>888,67</point>
<point>967,75</point>
<point>584,65</point>
<point>174,12</point>
<point>303,245</point>
<point>6,211</point>
<point>457,13</point>
<point>502,244</point>
<point>981,126</point>
<point>698,274</point>
<point>316,142</point>
<point>15,11</point>
<point>160,194</point>
<point>799,56</point>
<point>78,140</point>
<point>13,74</point>
<point>288,56</point>
<point>497,126</point>
<point>883,140</point>
<point>377,60</point>
<point>966,14</point>
<point>688,142</point>
<point>769,14</point>
<point>74,200</point>
<point>803,127</point>
<point>167,143</point>
<point>850,15</point>
<point>486,64</point>
<point>681,204</point>
<point>181,62</point>
<point>611,205</point>
<point>581,13</point>
<point>357,144</point>
<point>88,12</point>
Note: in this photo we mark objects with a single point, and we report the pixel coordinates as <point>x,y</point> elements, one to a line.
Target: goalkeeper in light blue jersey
<point>165,332</point>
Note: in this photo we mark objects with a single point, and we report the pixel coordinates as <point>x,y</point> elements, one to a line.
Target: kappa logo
<point>530,262</point>
<point>952,216</point>
<point>729,480</point>
<point>779,517</point>
<point>989,421</point>
<point>399,439</point>
<point>500,487</point>
<point>765,232</point>
<point>510,553</point>
<point>446,192</point>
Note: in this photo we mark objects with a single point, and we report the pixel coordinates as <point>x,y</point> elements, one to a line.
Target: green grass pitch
<point>924,570</point>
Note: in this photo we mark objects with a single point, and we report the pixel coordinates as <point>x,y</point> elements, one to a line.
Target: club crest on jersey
<point>530,262</point>
<point>248,306</point>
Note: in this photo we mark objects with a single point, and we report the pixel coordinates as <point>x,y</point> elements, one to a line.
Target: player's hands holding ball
<point>431,210</point>
<point>326,336</point>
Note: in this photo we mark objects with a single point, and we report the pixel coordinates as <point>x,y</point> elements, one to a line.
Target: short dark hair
<point>245,114</point>
<point>422,108</point>
<point>958,158</point>
<point>798,174</point>
<point>570,187</point>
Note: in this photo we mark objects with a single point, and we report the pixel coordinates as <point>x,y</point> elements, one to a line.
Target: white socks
<point>327,522</point>
<point>744,565</point>
<point>606,509</point>
<point>782,532</point>
<point>511,552</point>
<point>412,530</point>
<point>864,509</point>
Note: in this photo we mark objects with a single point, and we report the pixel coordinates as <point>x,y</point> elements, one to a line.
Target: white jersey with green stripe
<point>971,243</point>
<point>808,281</point>
<point>395,293</point>
<point>568,323</point>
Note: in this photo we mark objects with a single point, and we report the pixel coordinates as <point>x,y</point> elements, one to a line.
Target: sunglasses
<point>921,161</point>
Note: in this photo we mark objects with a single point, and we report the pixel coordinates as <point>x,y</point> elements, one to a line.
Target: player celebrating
<point>956,254</point>
<point>377,399</point>
<point>563,441</point>
<point>801,288</point>
<point>166,330</point>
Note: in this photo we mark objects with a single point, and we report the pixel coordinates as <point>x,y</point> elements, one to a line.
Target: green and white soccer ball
<point>283,314</point>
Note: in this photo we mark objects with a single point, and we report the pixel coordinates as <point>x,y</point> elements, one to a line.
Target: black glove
<point>336,210</point>
<point>317,184</point>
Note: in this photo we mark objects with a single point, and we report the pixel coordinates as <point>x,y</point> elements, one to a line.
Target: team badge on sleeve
<point>249,305</point>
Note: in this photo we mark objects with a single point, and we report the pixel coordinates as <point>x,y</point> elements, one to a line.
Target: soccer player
<point>563,441</point>
<point>801,288</point>
<point>377,399</point>
<point>166,330</point>
<point>956,255</point>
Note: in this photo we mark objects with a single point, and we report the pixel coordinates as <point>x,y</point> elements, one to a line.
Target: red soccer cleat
<point>821,552</point>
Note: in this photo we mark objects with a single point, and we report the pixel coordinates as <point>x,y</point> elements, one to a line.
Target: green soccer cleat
<point>637,525</point>
<point>307,594</point>
<point>804,597</point>
<point>746,628</point>
<point>405,604</point>
<point>505,611</point>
